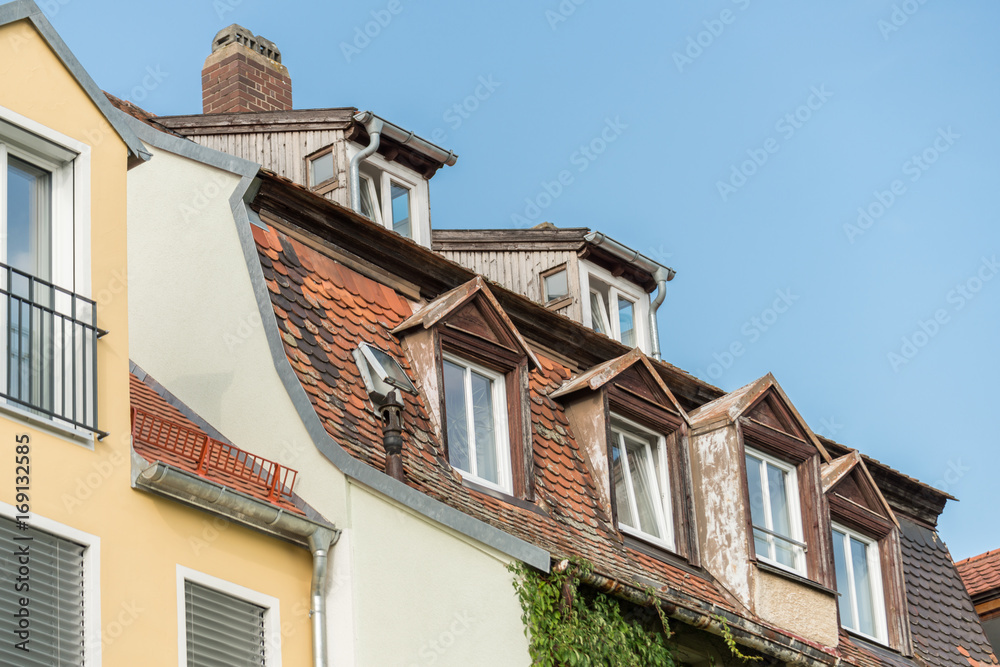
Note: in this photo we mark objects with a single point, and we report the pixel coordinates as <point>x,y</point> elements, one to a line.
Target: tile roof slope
<point>981,573</point>
<point>942,619</point>
<point>324,310</point>
<point>145,398</point>
<point>865,654</point>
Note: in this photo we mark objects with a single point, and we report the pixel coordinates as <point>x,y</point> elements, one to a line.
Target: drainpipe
<point>373,124</point>
<point>661,274</point>
<point>215,498</point>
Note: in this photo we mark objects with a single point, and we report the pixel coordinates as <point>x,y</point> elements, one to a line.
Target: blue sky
<point>821,175</point>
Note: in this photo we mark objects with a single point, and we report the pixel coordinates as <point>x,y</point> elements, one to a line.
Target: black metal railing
<point>50,364</point>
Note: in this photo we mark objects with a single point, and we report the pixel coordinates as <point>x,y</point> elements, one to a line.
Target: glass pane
<point>644,486</point>
<point>321,169</point>
<point>781,521</point>
<point>401,210</point>
<point>28,239</point>
<point>621,492</point>
<point>367,206</point>
<point>596,313</point>
<point>626,312</point>
<point>482,419</point>
<point>863,587</point>
<point>457,417</point>
<point>556,286</point>
<point>843,585</point>
<point>756,492</point>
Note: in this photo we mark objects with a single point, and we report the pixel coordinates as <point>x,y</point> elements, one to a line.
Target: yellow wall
<point>143,538</point>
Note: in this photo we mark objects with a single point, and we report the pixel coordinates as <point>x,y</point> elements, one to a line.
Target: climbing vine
<point>567,627</point>
<point>727,636</point>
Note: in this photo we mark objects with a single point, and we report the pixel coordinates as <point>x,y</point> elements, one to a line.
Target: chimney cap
<point>237,34</point>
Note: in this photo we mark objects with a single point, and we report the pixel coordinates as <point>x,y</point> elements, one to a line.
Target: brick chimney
<point>244,73</point>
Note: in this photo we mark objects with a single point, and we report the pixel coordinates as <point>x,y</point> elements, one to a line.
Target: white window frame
<point>794,511</point>
<point>617,289</point>
<point>271,605</point>
<point>873,554</point>
<point>91,576</point>
<point>365,181</point>
<point>48,148</point>
<point>500,419</point>
<point>664,508</point>
<point>420,213</point>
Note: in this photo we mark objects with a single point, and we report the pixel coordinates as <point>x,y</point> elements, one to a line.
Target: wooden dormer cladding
<point>856,502</point>
<point>630,388</point>
<point>469,322</point>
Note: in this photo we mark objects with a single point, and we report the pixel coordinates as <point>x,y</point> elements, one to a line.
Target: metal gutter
<point>214,498</point>
<point>661,274</point>
<point>745,632</point>
<point>408,138</point>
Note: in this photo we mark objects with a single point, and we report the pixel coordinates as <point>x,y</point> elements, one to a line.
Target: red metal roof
<point>161,432</point>
<point>981,573</point>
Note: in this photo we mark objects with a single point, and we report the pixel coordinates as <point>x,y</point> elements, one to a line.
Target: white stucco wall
<point>398,580</point>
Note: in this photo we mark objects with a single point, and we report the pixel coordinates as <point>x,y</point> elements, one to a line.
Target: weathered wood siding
<point>520,270</point>
<point>285,152</point>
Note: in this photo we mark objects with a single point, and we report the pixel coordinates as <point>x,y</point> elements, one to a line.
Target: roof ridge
<point>991,552</point>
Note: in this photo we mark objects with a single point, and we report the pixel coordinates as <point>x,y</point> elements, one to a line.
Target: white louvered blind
<point>56,603</point>
<point>222,631</point>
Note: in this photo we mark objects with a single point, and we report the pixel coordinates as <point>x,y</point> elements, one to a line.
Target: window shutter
<point>55,598</point>
<point>222,631</point>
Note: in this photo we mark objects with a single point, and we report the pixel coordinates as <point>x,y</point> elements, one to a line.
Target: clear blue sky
<point>885,106</point>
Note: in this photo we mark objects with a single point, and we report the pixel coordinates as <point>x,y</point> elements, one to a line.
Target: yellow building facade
<point>107,574</point>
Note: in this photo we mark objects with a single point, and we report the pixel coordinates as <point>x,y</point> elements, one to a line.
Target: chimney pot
<point>232,89</point>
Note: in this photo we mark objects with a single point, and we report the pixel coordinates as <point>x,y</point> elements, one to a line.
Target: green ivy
<point>727,636</point>
<point>567,627</point>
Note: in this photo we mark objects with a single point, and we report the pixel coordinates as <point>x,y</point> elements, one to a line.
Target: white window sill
<point>646,537</point>
<point>31,420</point>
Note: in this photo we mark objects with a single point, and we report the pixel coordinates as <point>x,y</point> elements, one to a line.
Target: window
<point>859,583</point>
<point>774,511</point>
<point>613,307</point>
<point>321,169</point>
<point>223,624</point>
<point>48,323</point>
<point>555,285</point>
<point>393,196</point>
<point>476,418</point>
<point>642,487</point>
<point>61,592</point>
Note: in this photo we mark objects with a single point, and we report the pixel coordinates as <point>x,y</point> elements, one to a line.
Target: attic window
<point>555,284</point>
<point>859,583</point>
<point>393,196</point>
<point>614,307</point>
<point>774,510</point>
<point>642,485</point>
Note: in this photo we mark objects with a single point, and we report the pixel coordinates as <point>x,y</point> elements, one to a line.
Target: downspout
<point>662,278</point>
<point>373,124</point>
<point>320,546</point>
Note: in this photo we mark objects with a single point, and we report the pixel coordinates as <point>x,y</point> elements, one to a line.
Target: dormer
<point>630,429</point>
<point>764,528</point>
<point>587,276</point>
<point>473,366</point>
<point>866,554</point>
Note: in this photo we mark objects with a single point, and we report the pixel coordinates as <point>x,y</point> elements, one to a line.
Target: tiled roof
<point>859,652</point>
<point>324,310</point>
<point>139,114</point>
<point>981,573</point>
<point>162,429</point>
<point>945,627</point>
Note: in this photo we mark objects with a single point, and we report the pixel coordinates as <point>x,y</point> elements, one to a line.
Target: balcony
<point>50,368</point>
<point>192,450</point>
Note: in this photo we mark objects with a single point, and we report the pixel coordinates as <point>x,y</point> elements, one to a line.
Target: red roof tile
<point>981,573</point>
<point>344,309</point>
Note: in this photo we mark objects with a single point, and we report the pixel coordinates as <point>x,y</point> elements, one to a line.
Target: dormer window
<point>614,307</point>
<point>394,197</point>
<point>642,484</point>
<point>859,583</point>
<point>774,510</point>
<point>476,423</point>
